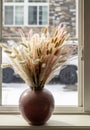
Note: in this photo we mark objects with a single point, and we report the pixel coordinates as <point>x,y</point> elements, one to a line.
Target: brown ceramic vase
<point>36,106</point>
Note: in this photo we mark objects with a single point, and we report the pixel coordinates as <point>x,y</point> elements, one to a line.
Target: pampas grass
<point>37,57</point>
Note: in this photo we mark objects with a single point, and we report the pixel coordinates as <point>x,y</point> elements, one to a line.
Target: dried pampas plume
<point>38,56</point>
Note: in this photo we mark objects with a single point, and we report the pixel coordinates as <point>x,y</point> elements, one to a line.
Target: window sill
<point>11,121</point>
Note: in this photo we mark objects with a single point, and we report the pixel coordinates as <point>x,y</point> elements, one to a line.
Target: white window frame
<point>84,66</point>
<point>26,4</point>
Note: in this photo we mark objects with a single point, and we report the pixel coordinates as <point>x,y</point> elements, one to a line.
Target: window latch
<point>82,54</point>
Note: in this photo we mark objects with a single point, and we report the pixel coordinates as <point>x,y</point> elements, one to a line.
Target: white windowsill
<point>11,121</point>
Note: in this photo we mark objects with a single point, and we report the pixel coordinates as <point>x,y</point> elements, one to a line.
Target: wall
<point>60,11</point>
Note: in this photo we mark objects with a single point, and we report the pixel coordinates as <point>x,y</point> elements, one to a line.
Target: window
<point>37,17</point>
<point>63,89</point>
<point>25,13</point>
<point>9,15</point>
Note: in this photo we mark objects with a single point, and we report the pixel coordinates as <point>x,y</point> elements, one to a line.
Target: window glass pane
<point>43,15</point>
<point>64,86</point>
<point>19,15</point>
<point>32,15</point>
<point>19,0</point>
<point>8,0</point>
<point>8,15</point>
<point>37,0</point>
<point>13,0</point>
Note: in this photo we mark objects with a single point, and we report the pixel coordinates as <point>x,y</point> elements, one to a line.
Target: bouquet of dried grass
<point>37,57</point>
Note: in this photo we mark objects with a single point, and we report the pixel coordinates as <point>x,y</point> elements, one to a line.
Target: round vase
<point>36,105</point>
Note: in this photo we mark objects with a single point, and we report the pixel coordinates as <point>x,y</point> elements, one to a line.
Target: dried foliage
<point>37,57</point>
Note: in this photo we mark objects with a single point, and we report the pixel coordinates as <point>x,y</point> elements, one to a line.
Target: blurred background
<point>36,14</point>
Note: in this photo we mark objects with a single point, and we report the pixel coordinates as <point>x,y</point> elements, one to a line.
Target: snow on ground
<point>63,95</point>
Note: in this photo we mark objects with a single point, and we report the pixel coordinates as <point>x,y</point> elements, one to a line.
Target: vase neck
<point>36,88</point>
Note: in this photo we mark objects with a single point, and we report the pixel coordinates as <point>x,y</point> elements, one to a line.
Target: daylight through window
<point>22,13</point>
